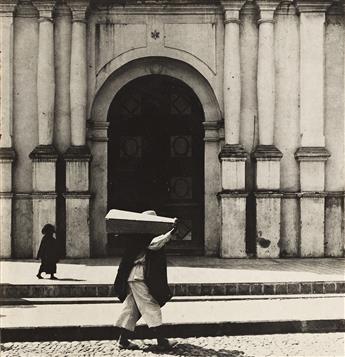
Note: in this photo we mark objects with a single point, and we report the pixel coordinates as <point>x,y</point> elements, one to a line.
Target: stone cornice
<point>79,9</point>
<point>77,195</point>
<point>43,195</point>
<point>312,153</point>
<point>232,10</point>
<point>313,5</point>
<point>267,5</point>
<point>267,152</point>
<point>249,8</point>
<point>25,8</point>
<point>286,7</point>
<point>7,8</point>
<point>77,153</point>
<point>233,151</point>
<point>232,194</point>
<point>211,130</point>
<point>268,194</point>
<point>337,9</point>
<point>45,8</point>
<point>46,153</point>
<point>7,154</point>
<point>62,9</point>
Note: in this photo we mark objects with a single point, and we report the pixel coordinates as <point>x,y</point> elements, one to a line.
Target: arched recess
<point>98,143</point>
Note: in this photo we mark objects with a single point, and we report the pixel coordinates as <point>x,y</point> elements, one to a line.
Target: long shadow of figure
<point>189,350</point>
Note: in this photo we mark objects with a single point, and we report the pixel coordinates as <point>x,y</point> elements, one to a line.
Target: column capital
<point>78,8</point>
<point>312,153</point>
<point>7,154</point>
<point>25,8</point>
<point>286,7</point>
<point>45,8</point>
<point>211,130</point>
<point>267,153</point>
<point>77,153</point>
<point>62,9</point>
<point>313,5</point>
<point>232,10</point>
<point>44,153</point>
<point>267,5</point>
<point>233,151</point>
<point>7,8</point>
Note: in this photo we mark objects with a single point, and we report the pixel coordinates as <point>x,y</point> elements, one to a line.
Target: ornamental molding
<point>7,8</point>
<point>304,6</point>
<point>233,152</point>
<point>77,153</point>
<point>286,7</point>
<point>44,153</point>
<point>7,154</point>
<point>79,9</point>
<point>45,8</point>
<point>232,194</point>
<point>267,153</point>
<point>25,8</point>
<point>84,195</point>
<point>312,153</point>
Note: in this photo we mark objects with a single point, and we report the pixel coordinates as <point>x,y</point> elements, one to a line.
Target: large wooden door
<point>156,155</point>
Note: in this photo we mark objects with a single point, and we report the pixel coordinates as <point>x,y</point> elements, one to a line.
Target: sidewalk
<point>183,270</point>
<point>188,276</point>
<point>182,318</point>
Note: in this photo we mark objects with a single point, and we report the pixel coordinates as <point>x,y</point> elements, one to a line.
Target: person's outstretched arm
<point>159,241</point>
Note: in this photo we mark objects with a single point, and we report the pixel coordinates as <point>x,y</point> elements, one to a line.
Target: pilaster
<point>44,159</point>
<point>312,181</point>
<point>78,74</point>
<point>268,201</point>
<point>77,197</point>
<point>7,154</point>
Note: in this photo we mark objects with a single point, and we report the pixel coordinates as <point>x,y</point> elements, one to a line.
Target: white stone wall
<point>118,37</point>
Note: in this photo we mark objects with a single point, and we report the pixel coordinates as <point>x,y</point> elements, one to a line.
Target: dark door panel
<point>156,155</point>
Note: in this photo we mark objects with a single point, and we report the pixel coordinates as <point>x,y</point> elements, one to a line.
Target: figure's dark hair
<point>48,229</point>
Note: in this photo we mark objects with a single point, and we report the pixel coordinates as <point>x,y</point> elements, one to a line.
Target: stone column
<point>7,153</point>
<point>44,156</point>
<point>78,155</point>
<point>312,154</point>
<point>267,156</point>
<point>232,156</point>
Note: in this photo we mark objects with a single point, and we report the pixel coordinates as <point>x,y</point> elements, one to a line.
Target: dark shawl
<point>48,253</point>
<point>155,270</point>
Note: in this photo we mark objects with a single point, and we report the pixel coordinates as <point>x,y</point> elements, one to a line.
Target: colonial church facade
<point>228,114</point>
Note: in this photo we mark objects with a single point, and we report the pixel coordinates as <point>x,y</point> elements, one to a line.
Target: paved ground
<point>183,270</point>
<point>181,311</point>
<point>293,345</point>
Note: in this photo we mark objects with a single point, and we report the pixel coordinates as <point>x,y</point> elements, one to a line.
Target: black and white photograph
<point>172,178</point>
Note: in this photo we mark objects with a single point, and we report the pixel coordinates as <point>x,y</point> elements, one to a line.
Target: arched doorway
<point>156,155</point>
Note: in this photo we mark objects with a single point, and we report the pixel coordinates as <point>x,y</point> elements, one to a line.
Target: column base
<point>312,225</point>
<point>77,225</point>
<point>7,156</point>
<point>233,159</point>
<point>233,238</point>
<point>77,168</point>
<point>6,225</point>
<point>267,159</point>
<point>44,211</point>
<point>268,224</point>
<point>312,167</point>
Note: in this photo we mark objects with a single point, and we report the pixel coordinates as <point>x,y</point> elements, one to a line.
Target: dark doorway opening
<point>156,156</point>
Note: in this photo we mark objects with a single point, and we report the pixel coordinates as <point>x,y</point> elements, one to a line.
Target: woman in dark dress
<point>48,252</point>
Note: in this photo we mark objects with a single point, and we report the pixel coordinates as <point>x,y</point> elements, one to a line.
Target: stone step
<point>183,289</point>
<point>182,317</point>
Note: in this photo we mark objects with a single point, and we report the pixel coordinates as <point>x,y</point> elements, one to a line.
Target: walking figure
<point>142,285</point>
<point>48,252</point>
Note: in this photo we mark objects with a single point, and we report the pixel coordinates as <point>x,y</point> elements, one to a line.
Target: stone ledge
<point>46,153</point>
<point>6,195</point>
<point>182,289</point>
<point>77,195</point>
<point>233,151</point>
<point>267,153</point>
<point>268,194</point>
<point>312,153</point>
<point>232,194</point>
<point>77,153</point>
<point>43,195</point>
